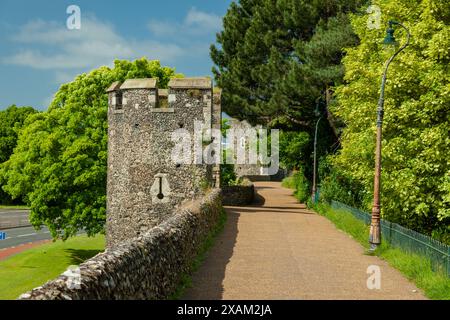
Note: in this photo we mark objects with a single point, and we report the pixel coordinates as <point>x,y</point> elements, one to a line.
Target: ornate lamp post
<point>375,228</point>
<point>314,186</point>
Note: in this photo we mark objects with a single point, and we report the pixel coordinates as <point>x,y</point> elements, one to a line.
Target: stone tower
<point>144,185</point>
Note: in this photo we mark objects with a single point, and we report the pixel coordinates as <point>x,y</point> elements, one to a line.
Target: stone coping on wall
<point>188,83</point>
<point>148,83</point>
<point>147,267</point>
<point>114,86</point>
<point>152,83</point>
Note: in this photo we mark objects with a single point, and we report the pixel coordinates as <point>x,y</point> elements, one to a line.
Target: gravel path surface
<point>278,249</point>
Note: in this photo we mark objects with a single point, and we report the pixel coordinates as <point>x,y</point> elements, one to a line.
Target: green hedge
<point>300,184</point>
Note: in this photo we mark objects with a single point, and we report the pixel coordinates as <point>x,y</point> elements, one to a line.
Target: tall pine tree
<point>275,58</point>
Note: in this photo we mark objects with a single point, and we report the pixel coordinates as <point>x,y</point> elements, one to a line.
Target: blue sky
<point>38,53</point>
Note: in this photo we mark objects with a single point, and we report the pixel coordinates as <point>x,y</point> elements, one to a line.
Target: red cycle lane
<point>7,252</point>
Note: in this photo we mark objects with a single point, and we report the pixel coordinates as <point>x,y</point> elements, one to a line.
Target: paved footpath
<point>278,249</point>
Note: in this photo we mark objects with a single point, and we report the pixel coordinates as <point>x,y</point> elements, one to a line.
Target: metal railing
<point>409,240</point>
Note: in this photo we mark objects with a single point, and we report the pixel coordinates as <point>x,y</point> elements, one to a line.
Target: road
<point>16,225</point>
<point>12,218</point>
<point>18,236</point>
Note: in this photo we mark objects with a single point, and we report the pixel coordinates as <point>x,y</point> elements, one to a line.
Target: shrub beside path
<point>278,249</point>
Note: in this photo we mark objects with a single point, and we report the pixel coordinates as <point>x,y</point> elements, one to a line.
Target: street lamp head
<point>390,40</point>
<point>317,108</point>
<point>317,111</point>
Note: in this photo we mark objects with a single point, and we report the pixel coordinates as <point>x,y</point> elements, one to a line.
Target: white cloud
<point>52,46</point>
<point>49,45</point>
<point>203,20</point>
<point>196,22</point>
<point>50,32</point>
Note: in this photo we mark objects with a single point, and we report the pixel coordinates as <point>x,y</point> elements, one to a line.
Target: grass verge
<point>416,268</point>
<point>299,184</point>
<point>186,280</point>
<point>288,182</point>
<point>14,207</point>
<point>32,268</point>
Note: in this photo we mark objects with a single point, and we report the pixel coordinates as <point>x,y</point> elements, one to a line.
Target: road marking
<point>26,235</point>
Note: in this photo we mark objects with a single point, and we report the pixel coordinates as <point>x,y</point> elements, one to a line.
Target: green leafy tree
<point>227,174</point>
<point>338,185</point>
<point>416,137</point>
<point>59,164</point>
<point>269,64</point>
<point>293,146</point>
<point>277,62</point>
<point>225,125</point>
<point>12,120</point>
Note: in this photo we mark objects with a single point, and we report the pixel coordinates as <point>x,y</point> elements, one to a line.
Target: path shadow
<point>265,187</point>
<point>207,281</point>
<point>270,210</point>
<point>299,207</point>
<point>25,267</point>
<point>78,256</point>
<point>259,200</point>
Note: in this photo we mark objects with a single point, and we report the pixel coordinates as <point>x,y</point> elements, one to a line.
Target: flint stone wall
<point>147,267</point>
<point>240,195</point>
<point>140,149</point>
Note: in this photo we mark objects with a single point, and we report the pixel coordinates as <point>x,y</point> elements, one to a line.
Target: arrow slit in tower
<point>160,194</point>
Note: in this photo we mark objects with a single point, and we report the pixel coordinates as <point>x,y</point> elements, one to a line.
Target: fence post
<point>448,262</point>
